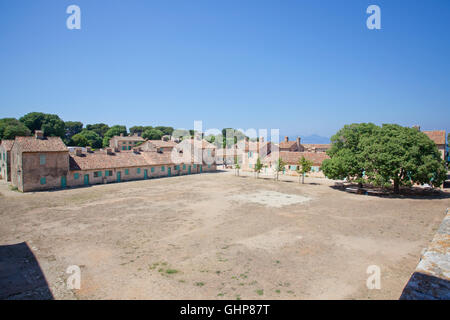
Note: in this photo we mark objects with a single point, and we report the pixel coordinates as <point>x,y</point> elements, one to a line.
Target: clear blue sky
<point>306,67</point>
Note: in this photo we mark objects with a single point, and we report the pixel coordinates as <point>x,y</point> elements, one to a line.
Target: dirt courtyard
<point>217,236</point>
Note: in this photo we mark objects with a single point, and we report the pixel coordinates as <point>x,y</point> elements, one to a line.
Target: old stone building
<point>122,143</point>
<point>39,163</point>
<point>157,145</point>
<point>291,159</point>
<point>42,163</point>
<point>438,137</point>
<point>5,159</point>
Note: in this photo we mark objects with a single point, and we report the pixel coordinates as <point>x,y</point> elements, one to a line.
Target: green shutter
<point>43,181</point>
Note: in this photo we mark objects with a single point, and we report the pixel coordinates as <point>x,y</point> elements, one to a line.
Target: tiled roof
<point>47,144</point>
<point>438,136</point>
<point>316,145</point>
<point>293,157</point>
<point>162,143</point>
<point>205,144</point>
<point>7,144</point>
<point>123,159</point>
<point>128,138</point>
<point>287,145</point>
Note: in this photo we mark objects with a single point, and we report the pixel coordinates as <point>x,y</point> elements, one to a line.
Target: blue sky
<point>305,67</point>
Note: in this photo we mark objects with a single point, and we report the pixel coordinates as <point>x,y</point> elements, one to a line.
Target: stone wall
<point>431,279</point>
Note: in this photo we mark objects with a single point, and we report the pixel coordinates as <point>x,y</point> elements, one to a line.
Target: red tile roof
<point>7,144</point>
<point>123,159</point>
<point>316,145</point>
<point>162,143</point>
<point>47,144</point>
<point>438,136</point>
<point>287,144</point>
<point>293,157</point>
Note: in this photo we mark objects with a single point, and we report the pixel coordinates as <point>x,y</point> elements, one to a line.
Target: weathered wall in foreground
<point>431,279</point>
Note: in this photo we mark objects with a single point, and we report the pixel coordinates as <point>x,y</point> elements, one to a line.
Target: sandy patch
<point>271,198</point>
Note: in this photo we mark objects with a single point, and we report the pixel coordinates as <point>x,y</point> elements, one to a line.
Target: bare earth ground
<point>217,236</point>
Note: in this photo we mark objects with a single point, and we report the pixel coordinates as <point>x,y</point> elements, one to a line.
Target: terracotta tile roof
<point>7,144</point>
<point>287,145</point>
<point>293,157</point>
<point>162,143</point>
<point>123,159</point>
<point>316,145</point>
<point>128,138</point>
<point>438,136</point>
<point>47,144</point>
<point>205,144</point>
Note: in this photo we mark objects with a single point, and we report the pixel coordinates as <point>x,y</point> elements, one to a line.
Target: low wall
<point>431,279</point>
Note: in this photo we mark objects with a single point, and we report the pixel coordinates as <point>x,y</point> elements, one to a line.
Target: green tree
<point>347,161</point>
<point>72,128</point>
<point>258,167</point>
<point>152,134</point>
<point>113,131</point>
<point>279,167</point>
<point>403,156</point>
<point>236,165</point>
<point>87,138</point>
<point>165,130</point>
<point>138,130</point>
<point>99,128</point>
<point>50,124</point>
<point>79,140</point>
<point>11,128</point>
<point>304,166</point>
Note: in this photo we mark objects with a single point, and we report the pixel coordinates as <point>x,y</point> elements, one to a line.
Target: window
<point>162,168</point>
<point>209,166</point>
<point>293,168</point>
<point>153,169</point>
<point>76,176</point>
<point>138,170</point>
<point>108,173</point>
<point>43,181</point>
<point>129,147</point>
<point>98,174</point>
<point>124,148</point>
<point>42,159</point>
<point>177,167</point>
<point>127,172</point>
<point>195,166</point>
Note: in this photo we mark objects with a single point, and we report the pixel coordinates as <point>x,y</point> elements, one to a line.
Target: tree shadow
<point>21,277</point>
<point>405,192</point>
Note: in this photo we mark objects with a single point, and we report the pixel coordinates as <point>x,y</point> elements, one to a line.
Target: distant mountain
<point>314,138</point>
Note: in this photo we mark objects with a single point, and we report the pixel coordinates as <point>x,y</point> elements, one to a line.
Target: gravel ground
<point>217,236</point>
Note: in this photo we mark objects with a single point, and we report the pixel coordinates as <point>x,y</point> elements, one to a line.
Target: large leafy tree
<point>72,128</point>
<point>114,131</point>
<point>346,156</point>
<point>402,156</point>
<point>10,128</point>
<point>165,130</point>
<point>99,128</point>
<point>50,124</point>
<point>87,138</point>
<point>152,134</point>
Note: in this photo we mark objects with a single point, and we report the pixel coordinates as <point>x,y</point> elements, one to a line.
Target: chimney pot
<point>298,141</point>
<point>109,151</point>
<point>39,134</point>
<point>121,134</point>
<point>78,152</point>
<point>286,139</point>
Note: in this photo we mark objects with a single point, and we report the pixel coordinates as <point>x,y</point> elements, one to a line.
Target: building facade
<point>5,159</point>
<point>123,143</point>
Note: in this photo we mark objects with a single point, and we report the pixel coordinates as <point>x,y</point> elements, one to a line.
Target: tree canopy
<point>386,155</point>
<point>11,127</point>
<point>99,128</point>
<point>87,138</point>
<point>152,134</point>
<point>114,131</point>
<point>50,124</point>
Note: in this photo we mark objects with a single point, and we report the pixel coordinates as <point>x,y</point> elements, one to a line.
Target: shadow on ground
<point>21,277</point>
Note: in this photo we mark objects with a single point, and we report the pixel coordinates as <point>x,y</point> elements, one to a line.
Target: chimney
<point>286,139</point>
<point>88,149</point>
<point>109,151</point>
<point>78,152</point>
<point>298,141</point>
<point>39,134</point>
<point>417,127</point>
<point>121,134</point>
<point>261,139</point>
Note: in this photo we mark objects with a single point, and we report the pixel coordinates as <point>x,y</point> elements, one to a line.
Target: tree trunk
<point>298,178</point>
<point>396,186</point>
<point>303,178</point>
